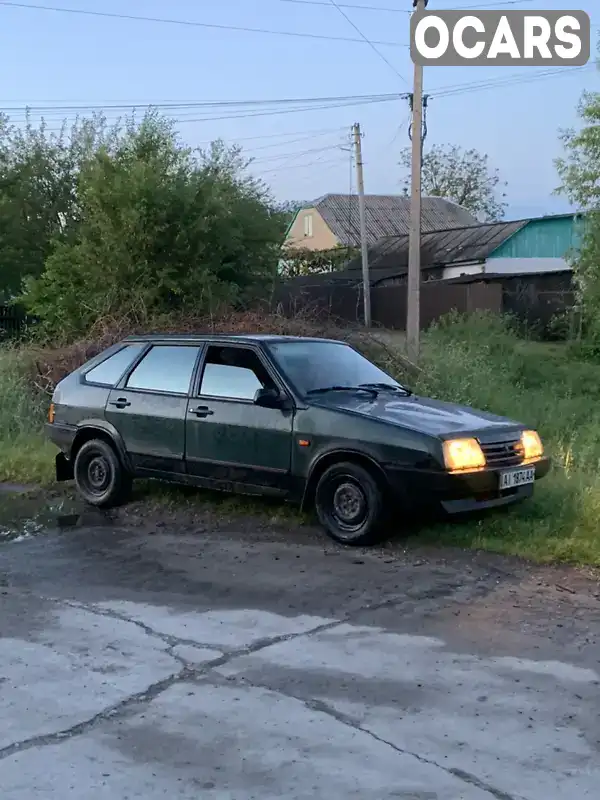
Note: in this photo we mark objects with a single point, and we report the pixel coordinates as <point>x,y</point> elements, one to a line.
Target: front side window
<point>165,368</point>
<point>233,373</point>
<point>316,365</point>
<point>110,371</point>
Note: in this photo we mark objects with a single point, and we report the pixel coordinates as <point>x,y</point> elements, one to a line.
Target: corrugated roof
<point>440,248</point>
<point>387,215</point>
<point>388,258</point>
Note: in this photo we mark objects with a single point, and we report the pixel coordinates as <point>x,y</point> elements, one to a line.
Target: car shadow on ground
<point>25,512</point>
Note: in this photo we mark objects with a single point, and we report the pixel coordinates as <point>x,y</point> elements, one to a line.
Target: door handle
<point>203,411</point>
<point>121,402</point>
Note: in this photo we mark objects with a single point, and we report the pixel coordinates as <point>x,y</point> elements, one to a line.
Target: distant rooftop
<point>386,215</point>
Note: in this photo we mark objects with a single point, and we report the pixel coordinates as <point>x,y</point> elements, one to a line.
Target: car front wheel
<point>100,476</point>
<point>350,505</point>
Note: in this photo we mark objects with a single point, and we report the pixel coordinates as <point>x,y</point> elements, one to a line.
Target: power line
<point>304,109</point>
<point>457,89</point>
<point>295,154</point>
<point>323,168</point>
<point>301,166</point>
<point>368,41</point>
<point>193,24</point>
<point>291,141</point>
<point>510,80</point>
<point>315,133</point>
<point>389,10</point>
<point>208,104</point>
<point>404,124</point>
<point>330,101</point>
<point>296,105</point>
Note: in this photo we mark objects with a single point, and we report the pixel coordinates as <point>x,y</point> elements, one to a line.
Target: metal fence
<point>13,321</point>
<point>535,300</point>
<point>388,303</point>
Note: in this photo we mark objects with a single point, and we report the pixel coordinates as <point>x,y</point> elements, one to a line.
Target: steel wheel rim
<point>348,506</point>
<point>97,474</point>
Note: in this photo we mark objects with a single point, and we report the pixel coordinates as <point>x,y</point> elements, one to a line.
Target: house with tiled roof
<point>333,220</point>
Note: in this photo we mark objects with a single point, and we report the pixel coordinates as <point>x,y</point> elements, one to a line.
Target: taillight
<point>51,413</point>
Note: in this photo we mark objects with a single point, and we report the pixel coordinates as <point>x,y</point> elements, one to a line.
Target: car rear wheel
<point>100,476</point>
<point>350,505</point>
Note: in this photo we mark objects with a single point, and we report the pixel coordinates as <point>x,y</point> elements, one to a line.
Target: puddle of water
<point>23,516</point>
<point>14,488</point>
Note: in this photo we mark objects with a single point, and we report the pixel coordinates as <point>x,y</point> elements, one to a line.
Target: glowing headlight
<point>463,454</point>
<point>532,445</point>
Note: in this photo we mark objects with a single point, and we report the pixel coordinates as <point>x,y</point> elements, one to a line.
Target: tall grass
<point>25,455</point>
<point>481,362</point>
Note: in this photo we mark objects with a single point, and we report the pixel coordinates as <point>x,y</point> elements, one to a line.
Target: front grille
<point>503,454</point>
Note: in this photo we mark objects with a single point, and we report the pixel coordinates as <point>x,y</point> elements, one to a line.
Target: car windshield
<point>313,365</point>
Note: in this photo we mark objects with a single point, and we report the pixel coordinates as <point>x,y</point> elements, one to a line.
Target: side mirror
<point>268,398</point>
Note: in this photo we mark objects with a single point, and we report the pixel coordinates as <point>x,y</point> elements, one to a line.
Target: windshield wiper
<point>362,388</point>
<point>387,387</point>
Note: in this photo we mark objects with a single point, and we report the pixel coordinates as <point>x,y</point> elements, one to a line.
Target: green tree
<point>38,205</point>
<point>464,176</point>
<point>579,173</point>
<point>160,228</point>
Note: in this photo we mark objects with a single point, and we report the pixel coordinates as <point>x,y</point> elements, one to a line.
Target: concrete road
<point>152,660</point>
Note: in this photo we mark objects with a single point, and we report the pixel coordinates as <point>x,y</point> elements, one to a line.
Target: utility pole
<point>413,300</point>
<point>363,225</point>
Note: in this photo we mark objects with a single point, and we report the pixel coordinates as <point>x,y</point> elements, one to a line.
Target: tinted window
<point>233,372</point>
<point>110,371</point>
<point>312,365</point>
<point>166,368</point>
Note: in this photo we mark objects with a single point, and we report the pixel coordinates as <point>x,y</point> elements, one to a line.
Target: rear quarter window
<point>165,368</point>
<point>112,369</point>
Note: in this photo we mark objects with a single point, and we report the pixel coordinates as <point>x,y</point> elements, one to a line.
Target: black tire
<point>100,477</point>
<point>350,505</point>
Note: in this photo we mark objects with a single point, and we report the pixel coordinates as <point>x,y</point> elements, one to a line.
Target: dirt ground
<point>192,654</point>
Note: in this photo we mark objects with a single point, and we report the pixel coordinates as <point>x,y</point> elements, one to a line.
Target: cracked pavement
<point>240,662</point>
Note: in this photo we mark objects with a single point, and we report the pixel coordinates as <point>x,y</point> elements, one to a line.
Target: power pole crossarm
<point>413,300</point>
<point>363,225</point>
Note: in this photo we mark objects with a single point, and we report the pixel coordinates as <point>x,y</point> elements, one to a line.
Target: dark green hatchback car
<point>310,420</point>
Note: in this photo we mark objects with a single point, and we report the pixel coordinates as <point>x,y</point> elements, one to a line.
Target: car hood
<point>433,417</point>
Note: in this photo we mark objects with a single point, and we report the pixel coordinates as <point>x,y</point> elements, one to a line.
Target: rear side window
<point>165,368</point>
<point>109,372</point>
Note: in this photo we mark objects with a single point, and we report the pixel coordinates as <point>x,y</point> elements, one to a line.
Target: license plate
<point>517,477</point>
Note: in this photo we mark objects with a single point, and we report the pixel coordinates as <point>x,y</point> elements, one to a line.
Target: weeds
<point>25,455</point>
<point>481,362</point>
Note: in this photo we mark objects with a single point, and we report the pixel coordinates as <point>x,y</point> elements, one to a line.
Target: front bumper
<point>459,493</point>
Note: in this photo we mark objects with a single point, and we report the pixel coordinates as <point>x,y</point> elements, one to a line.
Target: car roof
<point>250,338</point>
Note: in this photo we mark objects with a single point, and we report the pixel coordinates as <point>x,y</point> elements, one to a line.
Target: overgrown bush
<point>48,365</point>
